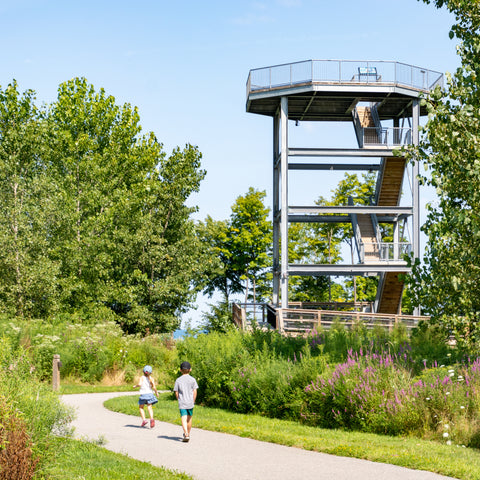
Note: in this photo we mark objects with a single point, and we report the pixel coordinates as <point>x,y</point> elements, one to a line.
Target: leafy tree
<point>446,286</point>
<point>251,237</point>
<point>94,212</point>
<point>27,274</point>
<point>240,245</point>
<point>219,272</point>
<point>218,319</point>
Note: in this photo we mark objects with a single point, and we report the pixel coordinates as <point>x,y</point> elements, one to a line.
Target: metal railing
<point>386,136</point>
<point>343,72</point>
<point>384,251</point>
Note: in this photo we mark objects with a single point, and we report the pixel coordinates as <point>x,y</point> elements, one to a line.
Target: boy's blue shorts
<point>186,411</point>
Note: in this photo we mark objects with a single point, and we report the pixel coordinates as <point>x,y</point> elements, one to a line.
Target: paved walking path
<point>219,456</point>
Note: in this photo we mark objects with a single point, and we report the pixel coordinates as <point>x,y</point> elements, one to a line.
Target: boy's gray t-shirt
<point>185,385</point>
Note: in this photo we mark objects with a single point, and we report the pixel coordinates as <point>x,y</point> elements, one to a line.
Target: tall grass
<point>371,381</point>
<point>90,352</point>
<point>30,415</point>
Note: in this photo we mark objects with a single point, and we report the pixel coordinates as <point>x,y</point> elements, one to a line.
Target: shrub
<point>213,357</point>
<point>17,461</point>
<point>89,352</point>
<point>367,392</point>
<point>273,386</point>
<point>31,413</point>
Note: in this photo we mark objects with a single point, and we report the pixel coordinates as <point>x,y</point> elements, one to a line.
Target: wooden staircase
<point>369,238</point>
<point>391,297</point>
<point>365,116</point>
<point>388,193</point>
<point>389,188</point>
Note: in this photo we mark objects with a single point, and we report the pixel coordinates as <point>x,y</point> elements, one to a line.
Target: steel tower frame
<point>326,90</point>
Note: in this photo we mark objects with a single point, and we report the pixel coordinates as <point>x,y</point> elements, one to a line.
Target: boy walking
<point>186,392</point>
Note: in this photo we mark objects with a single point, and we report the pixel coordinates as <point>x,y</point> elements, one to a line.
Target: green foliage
<point>446,285</point>
<point>213,357</point>
<point>26,271</point>
<point>377,392</point>
<point>251,237</point>
<point>89,352</point>
<point>219,319</point>
<point>240,247</point>
<point>93,213</point>
<point>274,386</point>
<point>219,273</point>
<point>38,410</point>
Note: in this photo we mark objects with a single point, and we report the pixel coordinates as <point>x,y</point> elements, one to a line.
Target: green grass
<point>70,388</point>
<point>452,461</point>
<point>86,461</point>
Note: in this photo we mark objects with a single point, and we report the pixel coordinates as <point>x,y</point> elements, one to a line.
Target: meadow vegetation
<point>370,381</point>
<point>410,386</point>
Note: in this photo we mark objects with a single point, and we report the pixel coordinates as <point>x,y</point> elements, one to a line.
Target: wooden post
<point>280,323</point>
<point>244,318</point>
<point>56,372</point>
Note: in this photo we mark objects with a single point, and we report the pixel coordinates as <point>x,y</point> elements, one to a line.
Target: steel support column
<point>275,212</point>
<point>284,200</point>
<point>416,187</point>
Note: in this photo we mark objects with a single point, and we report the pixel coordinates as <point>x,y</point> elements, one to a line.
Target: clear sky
<point>185,64</point>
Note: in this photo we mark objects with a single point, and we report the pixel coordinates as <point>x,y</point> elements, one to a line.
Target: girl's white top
<point>145,386</point>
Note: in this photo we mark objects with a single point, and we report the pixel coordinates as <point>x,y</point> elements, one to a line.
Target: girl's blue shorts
<point>147,399</point>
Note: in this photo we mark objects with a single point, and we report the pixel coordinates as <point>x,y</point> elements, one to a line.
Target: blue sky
<point>185,65</point>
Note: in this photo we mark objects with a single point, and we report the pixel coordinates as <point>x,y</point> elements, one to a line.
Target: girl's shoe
<point>144,423</point>
<point>186,438</point>
<point>152,423</point>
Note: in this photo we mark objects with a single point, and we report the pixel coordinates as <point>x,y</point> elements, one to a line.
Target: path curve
<point>217,456</point>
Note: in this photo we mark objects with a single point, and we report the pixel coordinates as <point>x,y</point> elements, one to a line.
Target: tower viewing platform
<point>382,101</point>
<point>328,90</point>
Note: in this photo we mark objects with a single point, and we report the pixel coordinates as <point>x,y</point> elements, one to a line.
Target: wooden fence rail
<point>303,320</point>
<point>298,321</point>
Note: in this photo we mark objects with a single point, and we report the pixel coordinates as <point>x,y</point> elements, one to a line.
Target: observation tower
<point>381,100</point>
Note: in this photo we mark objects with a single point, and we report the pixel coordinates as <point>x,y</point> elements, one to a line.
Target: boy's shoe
<point>186,438</point>
<point>152,423</point>
<point>144,423</point>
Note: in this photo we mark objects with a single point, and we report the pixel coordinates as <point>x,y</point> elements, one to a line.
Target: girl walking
<point>147,396</point>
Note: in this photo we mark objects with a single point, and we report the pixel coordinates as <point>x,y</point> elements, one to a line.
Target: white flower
<point>462,407</point>
<point>447,393</point>
<point>449,442</point>
<point>428,398</point>
<point>445,435</point>
<point>452,374</point>
<point>451,371</point>
<point>446,427</point>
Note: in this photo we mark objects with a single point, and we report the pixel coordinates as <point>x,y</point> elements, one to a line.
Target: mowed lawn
<point>453,461</point>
